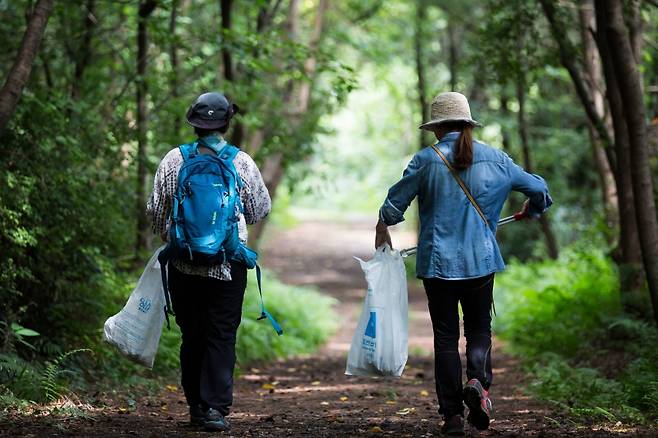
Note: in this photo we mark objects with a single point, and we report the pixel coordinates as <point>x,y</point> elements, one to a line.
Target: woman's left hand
<point>382,235</point>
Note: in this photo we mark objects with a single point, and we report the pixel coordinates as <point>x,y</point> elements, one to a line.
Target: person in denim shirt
<point>458,254</point>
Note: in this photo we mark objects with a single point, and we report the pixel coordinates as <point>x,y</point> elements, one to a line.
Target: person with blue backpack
<point>204,195</point>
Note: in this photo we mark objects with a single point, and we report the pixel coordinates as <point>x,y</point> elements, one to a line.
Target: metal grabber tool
<point>504,221</point>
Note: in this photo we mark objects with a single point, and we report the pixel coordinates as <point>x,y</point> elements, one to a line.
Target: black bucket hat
<point>211,111</point>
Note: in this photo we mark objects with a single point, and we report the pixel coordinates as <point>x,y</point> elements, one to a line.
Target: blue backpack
<point>205,215</point>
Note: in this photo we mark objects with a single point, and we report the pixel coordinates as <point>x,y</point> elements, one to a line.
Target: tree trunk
<point>593,75</point>
<point>274,166</point>
<point>421,18</point>
<point>20,71</point>
<point>629,258</point>
<point>310,65</point>
<point>568,59</point>
<point>630,88</point>
<point>46,70</point>
<point>265,16</point>
<point>227,60</point>
<point>84,53</point>
<point>551,241</point>
<point>173,55</point>
<point>636,27</point>
<point>145,9</point>
<point>452,57</point>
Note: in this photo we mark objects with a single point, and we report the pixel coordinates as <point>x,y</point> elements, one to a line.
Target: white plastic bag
<point>379,345</point>
<point>136,329</point>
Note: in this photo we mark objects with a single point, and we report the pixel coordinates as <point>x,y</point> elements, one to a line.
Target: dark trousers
<point>476,297</point>
<point>208,312</point>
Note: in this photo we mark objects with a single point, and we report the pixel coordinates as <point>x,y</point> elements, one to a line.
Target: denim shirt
<point>454,242</point>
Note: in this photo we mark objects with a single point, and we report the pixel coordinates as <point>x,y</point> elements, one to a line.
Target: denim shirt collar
<point>450,136</point>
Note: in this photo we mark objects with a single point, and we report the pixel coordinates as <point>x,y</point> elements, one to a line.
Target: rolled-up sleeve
<point>159,203</point>
<point>402,193</point>
<point>531,185</point>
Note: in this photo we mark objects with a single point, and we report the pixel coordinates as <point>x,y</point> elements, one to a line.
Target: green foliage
<point>582,391</point>
<point>306,315</point>
<point>556,306</point>
<point>50,378</point>
<point>564,319</point>
<point>34,381</point>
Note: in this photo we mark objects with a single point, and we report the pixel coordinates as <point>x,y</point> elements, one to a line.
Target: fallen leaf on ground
<point>391,402</point>
<point>268,386</point>
<point>315,383</point>
<point>375,429</point>
<point>424,393</point>
<point>324,403</point>
<point>171,388</point>
<point>255,370</point>
<point>406,411</point>
<point>343,398</point>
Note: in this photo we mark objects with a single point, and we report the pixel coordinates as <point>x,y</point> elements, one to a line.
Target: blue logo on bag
<point>371,328</point>
<point>369,342</point>
<point>144,305</point>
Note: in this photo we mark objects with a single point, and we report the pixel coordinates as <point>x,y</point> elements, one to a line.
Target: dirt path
<point>310,396</point>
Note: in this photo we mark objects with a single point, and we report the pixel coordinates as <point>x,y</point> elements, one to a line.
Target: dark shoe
<point>479,405</point>
<point>216,421</point>
<point>453,426</point>
<point>197,415</point>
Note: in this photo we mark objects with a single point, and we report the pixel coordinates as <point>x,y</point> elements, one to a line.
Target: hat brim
<point>433,123</point>
<point>207,124</point>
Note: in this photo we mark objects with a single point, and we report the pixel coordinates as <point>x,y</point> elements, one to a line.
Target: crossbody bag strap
<point>462,185</point>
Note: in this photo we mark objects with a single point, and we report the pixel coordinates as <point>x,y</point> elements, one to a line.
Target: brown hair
<point>463,152</point>
<point>464,149</point>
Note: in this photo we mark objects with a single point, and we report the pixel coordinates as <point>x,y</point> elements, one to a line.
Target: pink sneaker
<point>479,405</point>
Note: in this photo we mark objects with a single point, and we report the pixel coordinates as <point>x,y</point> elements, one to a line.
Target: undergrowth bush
<point>306,315</point>
<point>564,319</point>
<point>556,306</point>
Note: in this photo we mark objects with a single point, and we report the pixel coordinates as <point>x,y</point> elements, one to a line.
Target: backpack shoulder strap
<point>461,184</point>
<point>189,150</point>
<point>228,152</point>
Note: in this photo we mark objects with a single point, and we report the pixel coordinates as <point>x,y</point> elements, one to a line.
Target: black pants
<point>475,296</point>
<point>208,312</point>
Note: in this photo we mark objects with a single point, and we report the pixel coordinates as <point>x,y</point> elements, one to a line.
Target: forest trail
<point>310,396</point>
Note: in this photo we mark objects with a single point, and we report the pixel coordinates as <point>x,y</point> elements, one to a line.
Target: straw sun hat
<point>449,107</point>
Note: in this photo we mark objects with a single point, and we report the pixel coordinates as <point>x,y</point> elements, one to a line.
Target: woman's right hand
<point>525,212</point>
<point>382,235</point>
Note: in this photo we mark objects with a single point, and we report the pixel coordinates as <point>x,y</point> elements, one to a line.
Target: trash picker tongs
<point>504,221</point>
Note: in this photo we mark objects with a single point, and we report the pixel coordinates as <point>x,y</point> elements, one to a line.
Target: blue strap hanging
<point>264,313</point>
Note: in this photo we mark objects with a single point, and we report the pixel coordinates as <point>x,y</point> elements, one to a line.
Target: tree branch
<point>568,57</point>
<point>20,71</point>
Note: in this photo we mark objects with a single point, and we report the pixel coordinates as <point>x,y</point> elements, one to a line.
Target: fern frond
<point>50,386</point>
